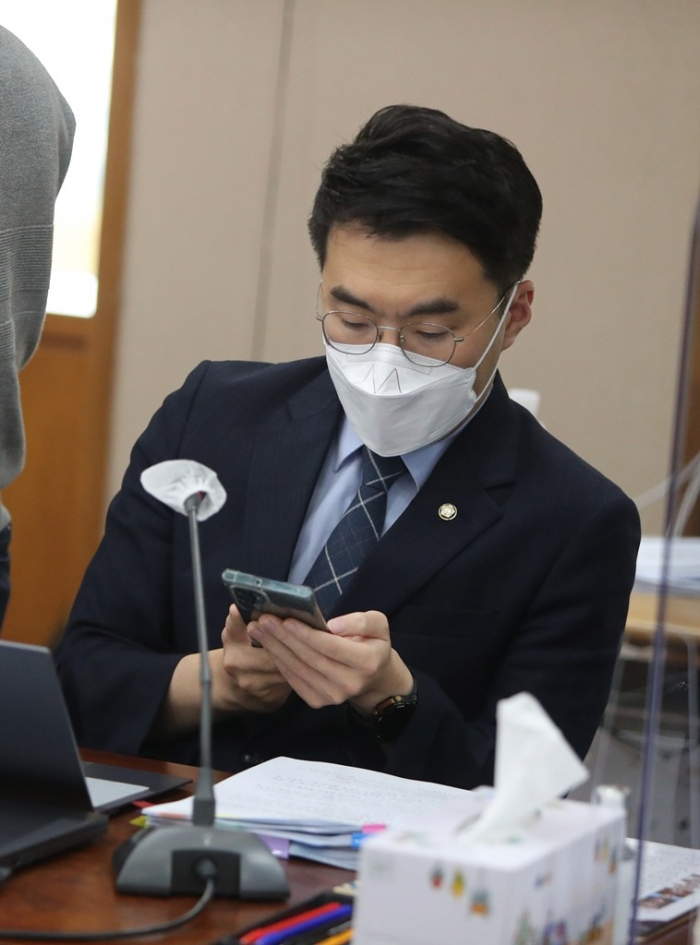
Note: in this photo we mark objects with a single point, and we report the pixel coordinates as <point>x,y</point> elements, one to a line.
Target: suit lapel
<point>286,462</point>
<point>421,542</point>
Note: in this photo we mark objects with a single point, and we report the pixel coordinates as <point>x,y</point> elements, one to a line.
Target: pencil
<point>304,924</point>
<point>321,934</point>
<point>340,939</point>
<point>290,922</point>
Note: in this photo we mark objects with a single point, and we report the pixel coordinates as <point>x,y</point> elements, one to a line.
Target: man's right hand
<point>250,681</point>
<point>243,679</point>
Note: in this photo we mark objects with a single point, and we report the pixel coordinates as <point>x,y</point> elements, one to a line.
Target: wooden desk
<point>682,617</point>
<point>75,890</point>
<point>680,933</point>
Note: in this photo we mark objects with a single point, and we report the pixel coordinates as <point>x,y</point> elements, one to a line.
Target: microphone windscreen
<point>175,480</point>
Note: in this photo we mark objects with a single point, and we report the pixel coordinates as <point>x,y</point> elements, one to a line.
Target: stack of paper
<point>683,564</point>
<point>670,882</point>
<point>322,810</point>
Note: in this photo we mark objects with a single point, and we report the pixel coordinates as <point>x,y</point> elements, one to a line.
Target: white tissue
<point>175,480</point>
<point>534,765</point>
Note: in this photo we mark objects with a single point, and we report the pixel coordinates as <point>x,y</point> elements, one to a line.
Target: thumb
<point>235,629</point>
<point>370,623</point>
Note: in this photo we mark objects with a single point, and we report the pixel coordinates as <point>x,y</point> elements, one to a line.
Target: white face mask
<point>395,405</point>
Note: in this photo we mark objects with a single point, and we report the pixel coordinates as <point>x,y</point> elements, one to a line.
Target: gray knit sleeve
<point>36,138</point>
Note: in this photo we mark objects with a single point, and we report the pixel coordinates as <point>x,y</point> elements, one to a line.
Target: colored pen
<point>304,924</point>
<point>373,828</point>
<point>340,939</point>
<point>367,830</point>
<point>319,935</point>
<point>249,938</point>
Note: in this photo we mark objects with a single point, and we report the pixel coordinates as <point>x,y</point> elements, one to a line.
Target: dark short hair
<point>412,169</point>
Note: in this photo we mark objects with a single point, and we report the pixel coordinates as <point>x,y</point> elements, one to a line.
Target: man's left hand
<point>354,662</point>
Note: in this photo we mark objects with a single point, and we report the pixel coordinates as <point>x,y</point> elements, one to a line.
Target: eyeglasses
<point>418,340</point>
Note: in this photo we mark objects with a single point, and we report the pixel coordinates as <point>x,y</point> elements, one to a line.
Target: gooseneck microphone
<point>171,860</point>
<point>204,804</point>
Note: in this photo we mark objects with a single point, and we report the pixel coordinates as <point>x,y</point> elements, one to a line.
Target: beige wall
<point>601,96</point>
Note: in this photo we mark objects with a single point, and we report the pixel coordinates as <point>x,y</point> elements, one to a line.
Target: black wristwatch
<point>391,716</point>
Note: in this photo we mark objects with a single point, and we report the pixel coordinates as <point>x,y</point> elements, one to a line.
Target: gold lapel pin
<point>447,511</point>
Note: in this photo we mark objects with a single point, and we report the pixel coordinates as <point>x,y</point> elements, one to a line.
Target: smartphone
<point>254,596</point>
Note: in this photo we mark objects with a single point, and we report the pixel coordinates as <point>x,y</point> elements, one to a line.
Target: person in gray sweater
<point>36,140</point>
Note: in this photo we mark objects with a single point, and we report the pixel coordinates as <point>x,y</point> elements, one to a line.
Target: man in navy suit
<point>503,562</point>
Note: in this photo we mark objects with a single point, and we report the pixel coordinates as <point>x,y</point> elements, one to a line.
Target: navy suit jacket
<point>526,588</point>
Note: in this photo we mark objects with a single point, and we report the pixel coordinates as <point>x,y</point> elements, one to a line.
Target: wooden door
<point>57,503</point>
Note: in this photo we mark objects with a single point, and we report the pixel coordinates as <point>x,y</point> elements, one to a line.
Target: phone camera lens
<point>247,598</point>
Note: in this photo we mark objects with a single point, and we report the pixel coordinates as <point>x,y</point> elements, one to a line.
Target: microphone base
<point>163,861</point>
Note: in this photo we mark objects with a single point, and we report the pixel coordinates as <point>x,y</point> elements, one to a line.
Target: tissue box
<point>553,883</point>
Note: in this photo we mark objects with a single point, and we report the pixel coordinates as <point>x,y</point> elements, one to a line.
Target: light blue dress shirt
<point>339,481</point>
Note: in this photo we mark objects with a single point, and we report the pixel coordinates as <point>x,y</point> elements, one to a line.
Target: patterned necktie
<point>356,532</point>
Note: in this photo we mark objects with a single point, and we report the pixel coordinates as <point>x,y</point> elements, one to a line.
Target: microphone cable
<point>207,872</point>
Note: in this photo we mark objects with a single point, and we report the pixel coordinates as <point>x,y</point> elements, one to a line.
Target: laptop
<point>49,799</point>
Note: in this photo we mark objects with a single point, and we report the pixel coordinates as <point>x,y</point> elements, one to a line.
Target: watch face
<point>392,716</point>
